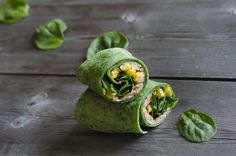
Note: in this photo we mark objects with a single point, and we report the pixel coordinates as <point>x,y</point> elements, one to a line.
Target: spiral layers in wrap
<point>114,74</point>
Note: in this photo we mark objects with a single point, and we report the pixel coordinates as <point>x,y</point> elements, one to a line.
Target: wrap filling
<point>158,104</point>
<point>123,82</point>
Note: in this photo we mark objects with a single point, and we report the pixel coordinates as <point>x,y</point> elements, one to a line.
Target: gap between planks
<point>151,77</point>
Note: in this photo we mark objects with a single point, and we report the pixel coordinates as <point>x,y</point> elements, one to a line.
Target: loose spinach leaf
<point>196,126</point>
<point>107,40</point>
<point>12,11</point>
<point>50,35</point>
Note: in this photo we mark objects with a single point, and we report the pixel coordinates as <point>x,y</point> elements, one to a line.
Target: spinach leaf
<point>121,85</point>
<point>12,11</point>
<point>124,85</point>
<point>160,106</point>
<point>107,40</point>
<point>154,104</point>
<point>196,126</point>
<point>50,35</point>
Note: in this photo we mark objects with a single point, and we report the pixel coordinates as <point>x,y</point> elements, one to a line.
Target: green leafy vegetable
<point>196,126</point>
<point>12,11</point>
<point>50,35</point>
<point>160,106</point>
<point>106,41</point>
<point>121,85</point>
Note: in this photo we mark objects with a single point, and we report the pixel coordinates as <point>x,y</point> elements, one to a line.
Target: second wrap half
<point>115,74</point>
<point>131,117</point>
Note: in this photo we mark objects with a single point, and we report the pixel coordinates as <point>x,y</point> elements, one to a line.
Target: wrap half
<point>149,109</point>
<point>114,74</point>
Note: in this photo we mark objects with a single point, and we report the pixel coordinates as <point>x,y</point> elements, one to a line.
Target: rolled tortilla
<point>131,117</point>
<point>114,74</point>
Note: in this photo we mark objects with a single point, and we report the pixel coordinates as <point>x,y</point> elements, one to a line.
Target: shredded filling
<point>158,104</point>
<point>123,82</point>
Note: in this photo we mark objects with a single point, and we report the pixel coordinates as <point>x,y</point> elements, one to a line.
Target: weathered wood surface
<point>31,125</point>
<point>175,38</point>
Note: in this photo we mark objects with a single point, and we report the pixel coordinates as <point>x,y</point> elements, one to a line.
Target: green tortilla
<point>98,114</point>
<point>94,69</point>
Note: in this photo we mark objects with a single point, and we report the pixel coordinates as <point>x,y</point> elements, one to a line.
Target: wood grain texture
<point>34,126</point>
<point>174,38</point>
<point>177,39</point>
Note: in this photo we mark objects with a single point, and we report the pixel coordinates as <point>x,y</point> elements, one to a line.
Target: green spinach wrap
<point>149,109</point>
<point>114,74</point>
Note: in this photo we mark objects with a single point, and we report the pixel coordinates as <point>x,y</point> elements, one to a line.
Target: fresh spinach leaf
<point>161,106</point>
<point>12,11</point>
<point>107,40</point>
<point>196,126</point>
<point>154,105</point>
<point>113,89</point>
<point>154,102</point>
<point>121,85</point>
<point>51,35</point>
<point>124,85</point>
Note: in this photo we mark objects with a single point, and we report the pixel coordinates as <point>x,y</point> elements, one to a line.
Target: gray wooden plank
<point>175,38</point>
<point>32,123</point>
<point>102,2</point>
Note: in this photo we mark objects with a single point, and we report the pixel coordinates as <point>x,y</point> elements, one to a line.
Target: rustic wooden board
<point>175,38</point>
<point>33,126</point>
<point>184,40</point>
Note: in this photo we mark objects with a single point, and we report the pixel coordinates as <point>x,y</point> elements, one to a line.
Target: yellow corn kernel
<point>149,108</point>
<point>125,67</point>
<point>130,72</point>
<point>169,91</point>
<point>160,93</point>
<point>137,77</point>
<point>115,72</point>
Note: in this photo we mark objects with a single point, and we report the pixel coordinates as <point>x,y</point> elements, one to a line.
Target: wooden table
<point>188,43</point>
